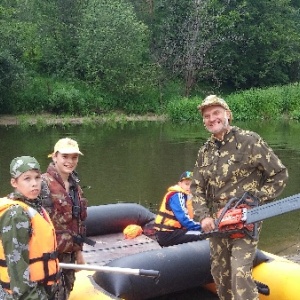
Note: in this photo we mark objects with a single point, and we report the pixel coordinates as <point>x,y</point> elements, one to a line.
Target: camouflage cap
<point>212,100</point>
<point>23,164</point>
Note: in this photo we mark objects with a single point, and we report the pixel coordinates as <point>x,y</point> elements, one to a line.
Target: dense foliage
<point>259,104</point>
<point>89,57</point>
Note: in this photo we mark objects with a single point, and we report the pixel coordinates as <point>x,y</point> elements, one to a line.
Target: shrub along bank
<point>254,104</point>
<point>69,104</point>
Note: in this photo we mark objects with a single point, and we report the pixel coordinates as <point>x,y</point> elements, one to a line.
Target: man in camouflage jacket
<point>232,161</point>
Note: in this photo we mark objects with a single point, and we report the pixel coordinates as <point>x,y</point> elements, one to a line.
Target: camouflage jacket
<point>225,169</point>
<point>67,210</point>
<point>15,235</point>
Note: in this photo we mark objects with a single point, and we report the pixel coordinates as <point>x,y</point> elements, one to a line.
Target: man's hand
<point>208,224</point>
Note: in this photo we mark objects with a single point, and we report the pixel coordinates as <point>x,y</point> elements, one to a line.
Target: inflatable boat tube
<point>113,218</point>
<point>181,267</point>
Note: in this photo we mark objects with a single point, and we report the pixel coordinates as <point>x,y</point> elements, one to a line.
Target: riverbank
<point>48,119</point>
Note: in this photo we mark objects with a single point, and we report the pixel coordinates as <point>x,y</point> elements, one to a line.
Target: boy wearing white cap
<point>63,198</point>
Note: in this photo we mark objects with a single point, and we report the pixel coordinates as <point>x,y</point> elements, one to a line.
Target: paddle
<point>139,272</point>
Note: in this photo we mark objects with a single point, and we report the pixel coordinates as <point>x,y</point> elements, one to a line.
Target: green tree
<point>260,45</point>
<point>59,21</point>
<point>12,47</point>
<point>237,44</point>
<point>113,49</point>
<point>183,34</point>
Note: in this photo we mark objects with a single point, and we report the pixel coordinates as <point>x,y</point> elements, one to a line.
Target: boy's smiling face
<point>66,163</point>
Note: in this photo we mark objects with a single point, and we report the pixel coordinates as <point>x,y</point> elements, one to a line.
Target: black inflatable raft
<point>181,267</point>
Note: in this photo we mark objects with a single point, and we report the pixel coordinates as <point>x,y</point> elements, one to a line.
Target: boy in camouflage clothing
<point>232,161</point>
<point>26,233</point>
<point>63,199</point>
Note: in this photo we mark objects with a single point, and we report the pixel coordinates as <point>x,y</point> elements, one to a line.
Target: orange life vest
<point>165,219</point>
<point>43,262</point>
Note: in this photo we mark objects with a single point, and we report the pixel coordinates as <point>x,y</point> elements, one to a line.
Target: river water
<point>136,162</point>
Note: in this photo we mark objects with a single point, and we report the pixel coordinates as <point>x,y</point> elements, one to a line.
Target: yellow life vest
<point>165,219</point>
<point>43,261</point>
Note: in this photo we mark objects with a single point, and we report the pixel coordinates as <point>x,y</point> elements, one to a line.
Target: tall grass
<point>72,98</point>
<point>260,104</point>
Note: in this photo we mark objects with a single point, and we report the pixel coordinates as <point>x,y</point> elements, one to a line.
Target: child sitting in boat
<point>174,222</point>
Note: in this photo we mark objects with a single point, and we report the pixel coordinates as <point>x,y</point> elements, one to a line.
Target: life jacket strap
<point>45,257</point>
<point>166,227</point>
<point>3,263</point>
<point>5,285</point>
<point>166,215</point>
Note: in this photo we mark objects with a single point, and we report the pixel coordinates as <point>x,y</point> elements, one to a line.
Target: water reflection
<point>136,162</point>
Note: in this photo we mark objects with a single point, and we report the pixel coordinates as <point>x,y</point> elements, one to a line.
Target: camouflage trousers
<point>231,267</point>
<point>67,279</point>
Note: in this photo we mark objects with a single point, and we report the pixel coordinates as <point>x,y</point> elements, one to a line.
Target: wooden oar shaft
<point>139,272</point>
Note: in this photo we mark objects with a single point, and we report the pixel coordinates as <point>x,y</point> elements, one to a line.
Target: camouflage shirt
<point>60,205</point>
<point>225,169</point>
<point>15,235</point>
